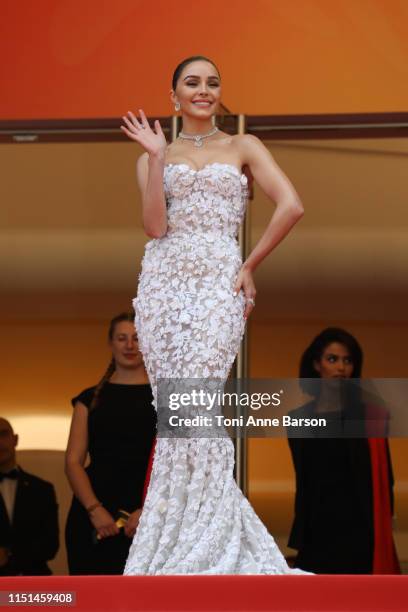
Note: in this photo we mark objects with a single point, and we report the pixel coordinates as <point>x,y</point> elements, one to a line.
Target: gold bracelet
<point>93,506</point>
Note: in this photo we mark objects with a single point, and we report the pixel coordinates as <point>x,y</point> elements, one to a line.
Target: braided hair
<point>123,316</point>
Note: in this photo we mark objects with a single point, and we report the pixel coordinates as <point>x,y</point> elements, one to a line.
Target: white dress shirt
<point>8,488</point>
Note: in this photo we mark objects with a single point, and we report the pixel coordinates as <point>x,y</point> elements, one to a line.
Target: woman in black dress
<point>115,422</point>
<point>344,483</point>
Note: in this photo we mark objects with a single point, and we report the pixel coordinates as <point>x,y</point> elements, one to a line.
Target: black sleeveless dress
<point>121,430</point>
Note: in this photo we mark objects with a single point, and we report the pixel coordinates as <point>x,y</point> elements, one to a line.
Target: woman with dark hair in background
<point>344,485</point>
<point>193,297</point>
<point>115,422</point>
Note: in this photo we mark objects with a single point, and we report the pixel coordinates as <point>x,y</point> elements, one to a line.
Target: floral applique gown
<point>195,519</point>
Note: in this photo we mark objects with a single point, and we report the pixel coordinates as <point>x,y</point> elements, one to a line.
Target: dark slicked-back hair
<point>194,58</point>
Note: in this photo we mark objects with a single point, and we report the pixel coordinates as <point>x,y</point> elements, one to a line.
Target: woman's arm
<point>149,171</point>
<point>279,189</point>
<point>75,457</point>
<point>288,210</point>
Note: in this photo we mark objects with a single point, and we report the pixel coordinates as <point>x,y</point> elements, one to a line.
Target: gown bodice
<point>210,200</point>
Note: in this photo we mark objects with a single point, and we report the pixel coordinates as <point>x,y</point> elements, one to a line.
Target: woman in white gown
<point>193,298</point>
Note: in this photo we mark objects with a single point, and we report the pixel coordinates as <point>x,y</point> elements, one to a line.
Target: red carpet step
<point>211,593</point>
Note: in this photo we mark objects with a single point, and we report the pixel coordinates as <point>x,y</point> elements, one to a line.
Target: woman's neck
<point>196,126</point>
<point>136,376</point>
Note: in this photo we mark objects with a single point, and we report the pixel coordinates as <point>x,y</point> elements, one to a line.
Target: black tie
<point>13,474</point>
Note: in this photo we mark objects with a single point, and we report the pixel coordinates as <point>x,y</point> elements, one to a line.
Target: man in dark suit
<point>29,534</point>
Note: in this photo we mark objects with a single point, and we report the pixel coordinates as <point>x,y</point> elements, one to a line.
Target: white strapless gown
<point>195,519</point>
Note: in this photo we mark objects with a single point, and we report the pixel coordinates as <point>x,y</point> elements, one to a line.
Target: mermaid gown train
<point>195,519</point>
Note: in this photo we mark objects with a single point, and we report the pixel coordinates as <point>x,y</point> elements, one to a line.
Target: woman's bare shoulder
<point>250,148</point>
<point>246,142</point>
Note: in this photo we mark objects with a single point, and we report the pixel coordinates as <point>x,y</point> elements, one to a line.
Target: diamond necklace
<point>198,138</point>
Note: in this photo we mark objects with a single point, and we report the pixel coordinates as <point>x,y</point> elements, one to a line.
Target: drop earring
<point>177,106</point>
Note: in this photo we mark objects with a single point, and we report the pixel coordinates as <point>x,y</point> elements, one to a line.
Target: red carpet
<point>220,593</point>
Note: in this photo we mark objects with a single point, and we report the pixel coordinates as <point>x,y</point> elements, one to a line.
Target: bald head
<point>8,443</point>
<point>5,425</point>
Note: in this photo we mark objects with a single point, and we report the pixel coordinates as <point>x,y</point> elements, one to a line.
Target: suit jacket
<point>33,535</point>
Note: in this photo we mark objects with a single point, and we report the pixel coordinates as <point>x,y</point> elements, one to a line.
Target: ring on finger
<point>251,301</point>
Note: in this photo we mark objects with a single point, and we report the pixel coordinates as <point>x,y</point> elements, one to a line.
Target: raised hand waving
<point>139,130</point>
